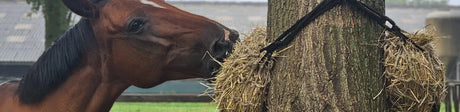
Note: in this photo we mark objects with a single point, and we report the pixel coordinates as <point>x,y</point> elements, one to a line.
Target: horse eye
<point>136,26</point>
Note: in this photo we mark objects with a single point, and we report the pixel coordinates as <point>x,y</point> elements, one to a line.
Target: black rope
<point>290,34</point>
<point>381,20</point>
<point>286,37</point>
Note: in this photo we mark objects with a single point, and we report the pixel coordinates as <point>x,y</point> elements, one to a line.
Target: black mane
<point>56,64</point>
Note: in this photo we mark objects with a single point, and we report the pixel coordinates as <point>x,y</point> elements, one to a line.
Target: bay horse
<point>116,44</point>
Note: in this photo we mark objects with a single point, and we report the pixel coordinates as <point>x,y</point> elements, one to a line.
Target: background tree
<point>333,64</point>
<point>57,18</point>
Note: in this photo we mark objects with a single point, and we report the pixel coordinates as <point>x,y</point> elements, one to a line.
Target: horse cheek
<point>136,67</point>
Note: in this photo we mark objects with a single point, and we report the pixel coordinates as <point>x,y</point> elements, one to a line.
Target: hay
<point>241,84</point>
<point>416,77</point>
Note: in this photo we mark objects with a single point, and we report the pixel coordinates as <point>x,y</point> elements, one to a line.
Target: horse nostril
<point>231,35</point>
<point>234,35</point>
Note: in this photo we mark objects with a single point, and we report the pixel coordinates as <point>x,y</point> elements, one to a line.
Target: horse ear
<point>84,8</point>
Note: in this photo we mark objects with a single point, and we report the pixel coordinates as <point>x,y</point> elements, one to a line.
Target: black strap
<point>381,20</point>
<point>286,38</point>
<point>290,34</point>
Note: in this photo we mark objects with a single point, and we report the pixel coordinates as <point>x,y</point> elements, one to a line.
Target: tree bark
<point>333,65</point>
<point>56,20</point>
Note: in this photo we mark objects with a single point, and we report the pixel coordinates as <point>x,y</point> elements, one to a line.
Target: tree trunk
<point>56,20</point>
<point>333,64</point>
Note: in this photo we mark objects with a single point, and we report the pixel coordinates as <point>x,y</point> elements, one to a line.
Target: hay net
<point>416,77</point>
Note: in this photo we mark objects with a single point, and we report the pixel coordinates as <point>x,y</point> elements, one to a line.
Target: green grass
<point>172,107</point>
<point>163,107</point>
<point>443,107</point>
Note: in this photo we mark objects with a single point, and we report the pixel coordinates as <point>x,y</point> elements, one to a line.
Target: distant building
<point>453,70</point>
<point>446,22</point>
<point>21,38</point>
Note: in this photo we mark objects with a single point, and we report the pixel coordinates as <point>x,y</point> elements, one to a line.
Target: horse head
<point>147,42</point>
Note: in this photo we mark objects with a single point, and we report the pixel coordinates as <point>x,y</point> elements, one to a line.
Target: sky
<point>224,0</point>
<point>451,2</point>
<point>454,2</point>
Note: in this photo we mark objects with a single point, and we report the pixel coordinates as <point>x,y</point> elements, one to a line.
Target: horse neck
<point>88,89</point>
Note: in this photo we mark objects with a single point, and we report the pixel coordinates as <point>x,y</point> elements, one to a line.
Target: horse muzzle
<point>222,48</point>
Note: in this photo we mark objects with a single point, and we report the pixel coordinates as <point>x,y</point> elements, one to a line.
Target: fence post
<point>455,94</point>
<point>448,101</point>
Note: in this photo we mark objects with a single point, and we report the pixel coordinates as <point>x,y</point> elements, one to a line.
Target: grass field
<point>171,107</point>
<point>163,107</point>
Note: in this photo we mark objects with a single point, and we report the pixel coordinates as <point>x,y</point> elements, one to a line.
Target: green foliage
<point>36,4</point>
<point>57,18</point>
<point>163,107</point>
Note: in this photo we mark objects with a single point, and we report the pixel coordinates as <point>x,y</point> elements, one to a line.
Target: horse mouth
<point>216,64</point>
<point>218,56</point>
<point>221,49</point>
